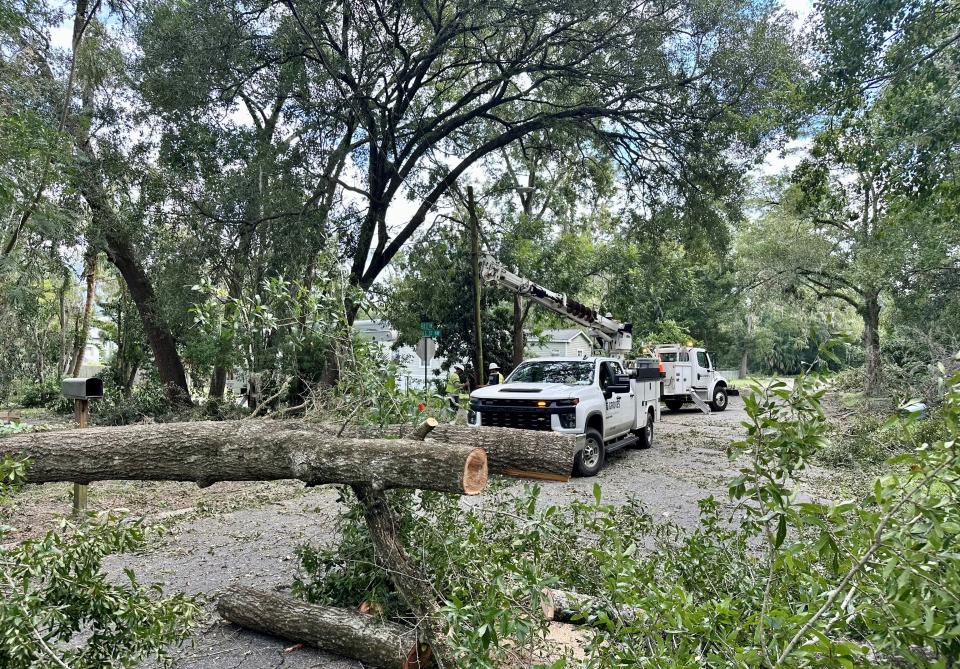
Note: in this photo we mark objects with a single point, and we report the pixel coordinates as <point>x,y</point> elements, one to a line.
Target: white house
<point>563,342</point>
<point>411,369</point>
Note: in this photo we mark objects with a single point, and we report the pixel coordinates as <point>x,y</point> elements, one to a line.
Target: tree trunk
<point>479,369</point>
<point>516,453</point>
<point>744,359</point>
<point>342,631</point>
<point>871,343</point>
<point>564,606</point>
<point>80,344</point>
<point>162,344</point>
<point>519,342</point>
<point>121,253</point>
<point>248,450</point>
<point>417,592</point>
<point>63,361</point>
<point>218,382</point>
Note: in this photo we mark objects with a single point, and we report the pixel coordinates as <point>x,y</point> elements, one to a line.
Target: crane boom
<point>612,335</point>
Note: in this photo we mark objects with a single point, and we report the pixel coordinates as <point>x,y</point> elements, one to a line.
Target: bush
<point>780,581</point>
<point>34,395</point>
<point>146,400</point>
<point>59,608</point>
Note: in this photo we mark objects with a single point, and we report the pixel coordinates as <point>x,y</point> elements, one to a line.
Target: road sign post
<point>426,348</point>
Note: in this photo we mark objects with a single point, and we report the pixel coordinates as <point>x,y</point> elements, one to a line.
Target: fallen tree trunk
<point>519,453</point>
<point>342,631</point>
<point>516,453</point>
<point>565,606</point>
<point>249,450</point>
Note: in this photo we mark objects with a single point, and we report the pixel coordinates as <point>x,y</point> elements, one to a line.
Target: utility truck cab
<point>690,375</point>
<point>612,405</point>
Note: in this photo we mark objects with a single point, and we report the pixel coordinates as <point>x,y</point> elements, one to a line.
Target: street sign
<point>426,348</point>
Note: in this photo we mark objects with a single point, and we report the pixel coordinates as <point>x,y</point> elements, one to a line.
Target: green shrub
<point>59,608</point>
<point>34,395</point>
<point>146,400</point>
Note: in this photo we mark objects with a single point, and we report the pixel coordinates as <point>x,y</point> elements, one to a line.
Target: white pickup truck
<point>612,406</point>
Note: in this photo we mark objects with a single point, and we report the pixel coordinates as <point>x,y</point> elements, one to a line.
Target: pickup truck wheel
<point>719,401</point>
<point>589,460</point>
<point>674,405</point>
<point>646,434</point>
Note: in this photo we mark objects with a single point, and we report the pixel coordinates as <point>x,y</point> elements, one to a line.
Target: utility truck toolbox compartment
<point>647,369</point>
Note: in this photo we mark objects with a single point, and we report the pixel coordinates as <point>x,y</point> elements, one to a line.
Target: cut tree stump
<point>342,631</point>
<point>565,606</point>
<point>248,450</point>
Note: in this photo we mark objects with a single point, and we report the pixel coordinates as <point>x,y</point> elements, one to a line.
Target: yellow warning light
<point>541,403</point>
<point>689,342</point>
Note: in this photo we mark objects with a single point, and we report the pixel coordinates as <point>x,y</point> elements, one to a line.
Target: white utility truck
<point>690,376</point>
<point>612,403</point>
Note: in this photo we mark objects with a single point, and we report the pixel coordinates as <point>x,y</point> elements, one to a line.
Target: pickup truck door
<point>620,411</point>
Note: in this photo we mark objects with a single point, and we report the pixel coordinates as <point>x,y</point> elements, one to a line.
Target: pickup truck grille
<point>521,414</point>
<point>520,420</point>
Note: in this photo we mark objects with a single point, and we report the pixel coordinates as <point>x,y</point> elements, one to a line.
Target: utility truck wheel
<point>719,401</point>
<point>646,433</point>
<point>589,460</point>
<point>674,405</point>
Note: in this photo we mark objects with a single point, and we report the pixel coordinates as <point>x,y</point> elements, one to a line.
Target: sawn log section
<point>517,453</point>
<point>248,450</point>
<point>342,631</point>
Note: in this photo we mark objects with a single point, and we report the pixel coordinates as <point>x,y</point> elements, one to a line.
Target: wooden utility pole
<point>475,258</point>
<point>81,414</point>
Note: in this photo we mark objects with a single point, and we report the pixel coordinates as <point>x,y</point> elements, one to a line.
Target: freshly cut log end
<point>475,472</point>
<point>336,630</point>
<point>419,657</point>
<point>424,428</point>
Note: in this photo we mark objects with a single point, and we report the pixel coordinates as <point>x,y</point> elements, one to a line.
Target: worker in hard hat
<point>456,386</point>
<point>494,376</point>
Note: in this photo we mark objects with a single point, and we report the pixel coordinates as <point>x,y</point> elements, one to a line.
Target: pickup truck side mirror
<point>621,385</point>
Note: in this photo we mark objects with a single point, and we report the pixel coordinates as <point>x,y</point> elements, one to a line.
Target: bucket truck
<point>611,402</point>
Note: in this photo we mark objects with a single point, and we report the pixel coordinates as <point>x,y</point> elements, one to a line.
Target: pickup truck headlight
<point>568,420</point>
<point>568,403</point>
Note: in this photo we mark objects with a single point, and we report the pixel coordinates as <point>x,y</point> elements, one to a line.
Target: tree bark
<point>342,631</point>
<point>250,450</point>
<point>218,382</point>
<point>564,606</point>
<point>414,588</point>
<point>515,453</point>
<point>744,363</point>
<point>80,344</point>
<point>873,372</point>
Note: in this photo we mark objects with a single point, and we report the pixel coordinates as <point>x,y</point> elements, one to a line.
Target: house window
<point>579,352</point>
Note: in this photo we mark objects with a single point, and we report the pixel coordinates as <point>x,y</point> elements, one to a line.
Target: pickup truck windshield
<point>570,372</point>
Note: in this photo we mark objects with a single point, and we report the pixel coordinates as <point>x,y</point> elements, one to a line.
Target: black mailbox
<point>83,389</point>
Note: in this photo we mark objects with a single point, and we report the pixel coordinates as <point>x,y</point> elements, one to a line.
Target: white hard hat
<point>493,365</point>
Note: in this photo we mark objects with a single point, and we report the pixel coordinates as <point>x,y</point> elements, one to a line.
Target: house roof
<point>564,334</point>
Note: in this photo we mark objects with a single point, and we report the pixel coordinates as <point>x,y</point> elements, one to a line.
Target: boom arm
<point>612,335</point>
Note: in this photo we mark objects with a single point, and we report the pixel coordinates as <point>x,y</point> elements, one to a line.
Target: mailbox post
<point>81,391</point>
